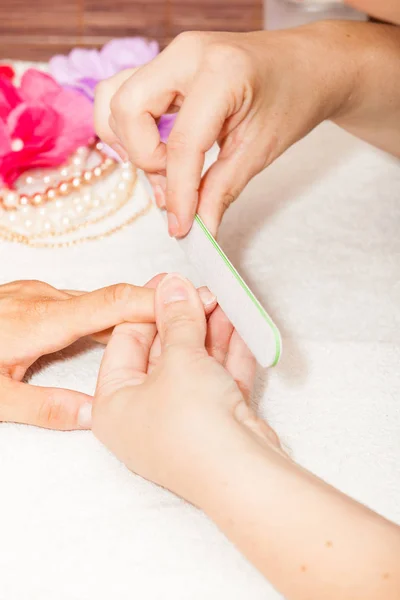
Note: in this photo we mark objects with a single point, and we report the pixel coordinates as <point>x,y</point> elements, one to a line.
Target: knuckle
<point>121,104</point>
<point>120,293</point>
<point>178,321</point>
<point>52,413</point>
<point>227,199</point>
<point>129,330</point>
<point>32,285</point>
<point>145,162</point>
<point>227,56</point>
<point>177,141</point>
<point>189,38</point>
<point>102,90</point>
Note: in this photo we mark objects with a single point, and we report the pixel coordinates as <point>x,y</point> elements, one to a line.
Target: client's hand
<point>167,405</point>
<point>176,411</point>
<point>37,319</point>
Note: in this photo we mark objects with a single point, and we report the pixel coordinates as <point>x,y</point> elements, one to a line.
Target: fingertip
<point>154,281</point>
<point>173,288</point>
<point>85,416</point>
<point>179,312</point>
<point>208,299</point>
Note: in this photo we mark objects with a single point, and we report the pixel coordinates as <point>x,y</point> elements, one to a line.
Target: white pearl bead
<point>11,199</point>
<point>87,198</point>
<point>79,209</point>
<point>65,221</point>
<point>64,172</point>
<point>59,203</point>
<point>81,150</point>
<point>51,194</point>
<point>77,200</point>
<point>46,179</point>
<point>47,225</point>
<point>29,179</point>
<point>17,144</point>
<point>12,217</point>
<point>77,161</point>
<point>127,175</point>
<point>26,209</point>
<point>28,223</point>
<point>76,182</point>
<point>96,202</point>
<point>113,197</point>
<point>42,211</point>
<point>99,146</point>
<point>23,200</point>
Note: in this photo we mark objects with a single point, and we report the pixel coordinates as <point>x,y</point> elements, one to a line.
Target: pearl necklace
<point>50,208</point>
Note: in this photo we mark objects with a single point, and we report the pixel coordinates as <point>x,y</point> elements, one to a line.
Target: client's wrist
<point>241,448</point>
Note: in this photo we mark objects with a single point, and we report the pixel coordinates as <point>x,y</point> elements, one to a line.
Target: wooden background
<point>37,29</point>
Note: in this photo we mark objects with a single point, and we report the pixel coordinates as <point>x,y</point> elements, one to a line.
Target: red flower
<point>41,124</point>
<point>7,71</point>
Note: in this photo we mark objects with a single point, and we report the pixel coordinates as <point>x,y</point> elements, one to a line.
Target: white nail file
<point>240,305</point>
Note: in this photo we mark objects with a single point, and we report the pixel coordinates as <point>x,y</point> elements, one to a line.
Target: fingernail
<point>207,297</point>
<point>160,196</point>
<point>122,153</point>
<point>85,416</point>
<point>173,288</point>
<point>173,225</point>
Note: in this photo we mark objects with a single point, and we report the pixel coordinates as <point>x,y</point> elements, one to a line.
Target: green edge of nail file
<point>240,305</point>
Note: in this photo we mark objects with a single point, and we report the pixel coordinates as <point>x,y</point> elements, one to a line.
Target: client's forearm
<point>308,539</point>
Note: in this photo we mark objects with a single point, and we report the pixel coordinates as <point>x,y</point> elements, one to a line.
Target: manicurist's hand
<point>255,94</point>
<point>174,406</point>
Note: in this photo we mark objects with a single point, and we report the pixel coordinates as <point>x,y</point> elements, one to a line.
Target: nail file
<point>236,299</point>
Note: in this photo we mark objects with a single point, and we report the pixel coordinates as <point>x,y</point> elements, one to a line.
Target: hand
<point>168,404</point>
<point>37,319</point>
<point>253,93</point>
<point>175,409</point>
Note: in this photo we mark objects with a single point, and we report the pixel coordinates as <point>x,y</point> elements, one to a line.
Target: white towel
<point>317,237</point>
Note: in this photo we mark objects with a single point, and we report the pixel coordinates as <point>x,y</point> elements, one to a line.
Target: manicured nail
<point>159,195</point>
<point>173,288</point>
<point>173,225</point>
<point>85,416</point>
<point>207,297</point>
<point>122,153</point>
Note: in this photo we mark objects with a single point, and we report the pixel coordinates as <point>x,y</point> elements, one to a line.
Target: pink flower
<point>7,71</point>
<point>82,69</point>
<point>41,124</point>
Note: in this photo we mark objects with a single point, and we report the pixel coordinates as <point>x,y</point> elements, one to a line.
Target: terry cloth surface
<point>317,238</point>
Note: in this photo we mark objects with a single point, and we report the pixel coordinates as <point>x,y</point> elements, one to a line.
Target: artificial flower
<point>41,124</point>
<point>82,69</point>
<point>7,71</point>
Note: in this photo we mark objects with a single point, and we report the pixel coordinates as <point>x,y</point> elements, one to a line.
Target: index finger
<point>126,357</point>
<point>138,104</point>
<point>196,129</point>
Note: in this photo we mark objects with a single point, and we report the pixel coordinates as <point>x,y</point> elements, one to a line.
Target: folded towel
<point>317,237</point>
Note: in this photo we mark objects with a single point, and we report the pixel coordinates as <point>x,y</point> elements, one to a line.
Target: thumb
<point>180,314</point>
<point>52,408</point>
